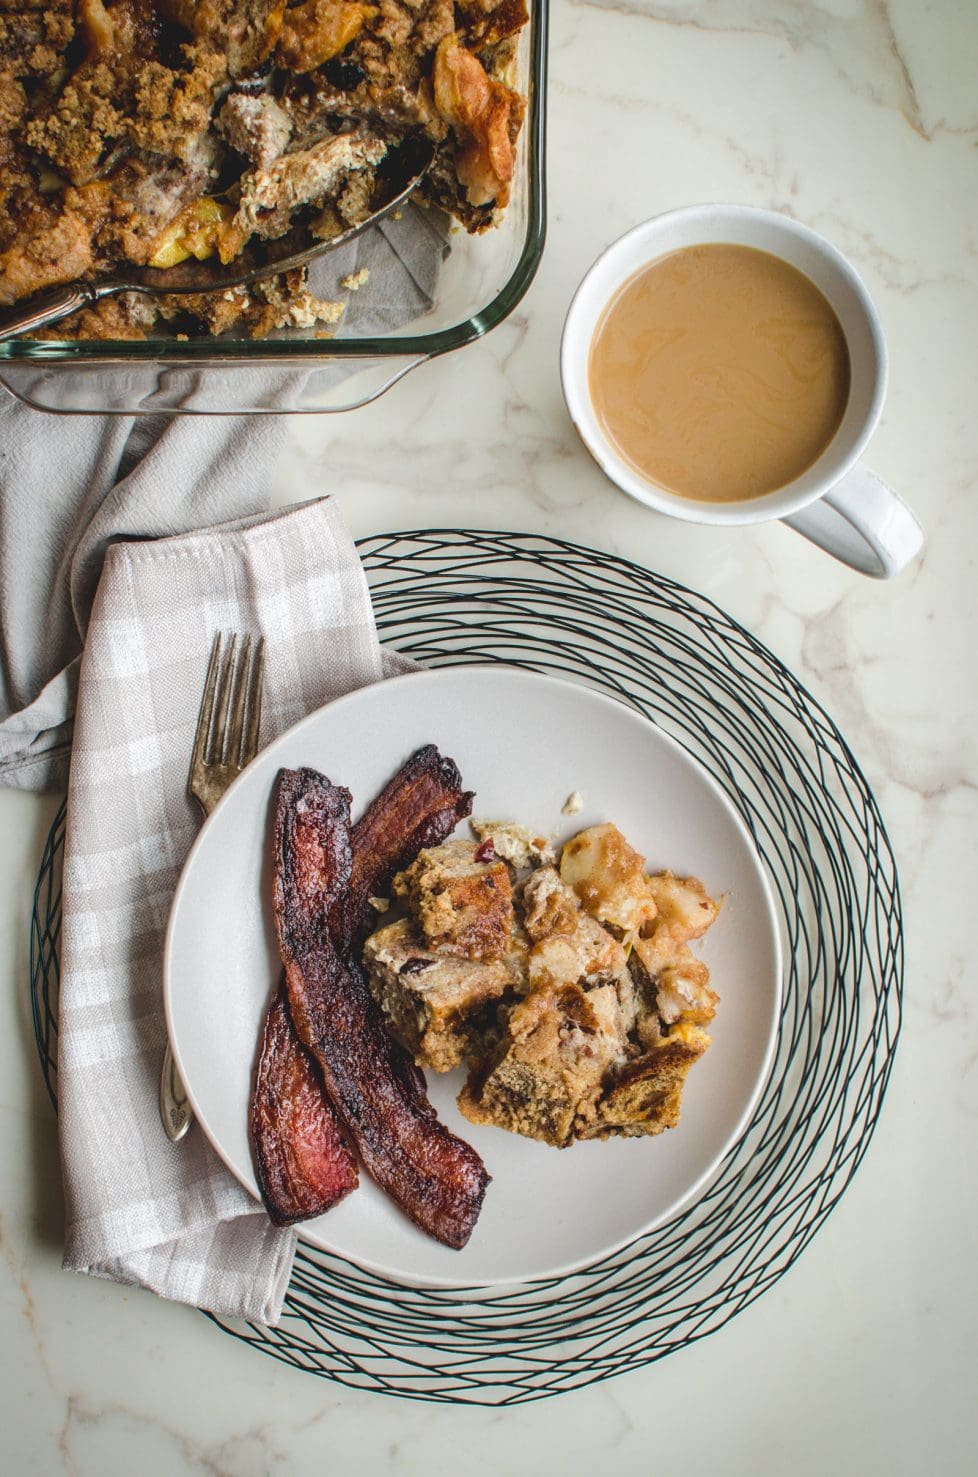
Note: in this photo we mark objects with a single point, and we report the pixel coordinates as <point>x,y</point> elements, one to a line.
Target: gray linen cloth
<point>140,1209</point>
<point>67,489</point>
<point>71,485</point>
<point>96,550</point>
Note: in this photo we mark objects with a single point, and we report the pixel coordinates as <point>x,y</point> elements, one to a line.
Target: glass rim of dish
<point>209,350</point>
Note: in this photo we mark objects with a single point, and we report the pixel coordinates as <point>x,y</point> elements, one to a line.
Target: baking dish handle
<point>266,386</point>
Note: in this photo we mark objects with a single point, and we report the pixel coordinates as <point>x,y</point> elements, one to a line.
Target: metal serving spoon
<point>401,171</point>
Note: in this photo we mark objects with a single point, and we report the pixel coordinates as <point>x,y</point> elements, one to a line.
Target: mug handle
<point>863,523</point>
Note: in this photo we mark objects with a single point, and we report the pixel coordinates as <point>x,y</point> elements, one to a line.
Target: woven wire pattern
<point>45,955</point>
<point>451,597</point>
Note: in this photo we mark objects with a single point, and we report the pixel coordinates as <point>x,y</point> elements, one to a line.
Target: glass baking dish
<point>477,284</point>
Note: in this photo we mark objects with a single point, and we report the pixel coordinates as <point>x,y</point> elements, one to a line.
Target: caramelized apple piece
<point>485,115</point>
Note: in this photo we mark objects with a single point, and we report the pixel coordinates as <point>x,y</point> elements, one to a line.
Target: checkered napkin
<point>140,1209</point>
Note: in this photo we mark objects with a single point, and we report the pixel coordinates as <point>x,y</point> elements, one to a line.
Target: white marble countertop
<point>859,117</point>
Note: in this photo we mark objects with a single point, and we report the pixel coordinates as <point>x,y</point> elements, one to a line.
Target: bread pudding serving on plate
<point>568,988</point>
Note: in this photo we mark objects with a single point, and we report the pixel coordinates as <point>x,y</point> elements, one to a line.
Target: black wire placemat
<point>448,597</point>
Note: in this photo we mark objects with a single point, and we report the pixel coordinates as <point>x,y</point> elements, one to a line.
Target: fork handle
<point>51,307</point>
<point>175,1110</point>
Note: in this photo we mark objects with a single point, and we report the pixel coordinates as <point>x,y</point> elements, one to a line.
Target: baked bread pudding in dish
<point>570,990</point>
<point>150,131</point>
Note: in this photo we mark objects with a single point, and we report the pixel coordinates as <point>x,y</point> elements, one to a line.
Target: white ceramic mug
<point>837,503</point>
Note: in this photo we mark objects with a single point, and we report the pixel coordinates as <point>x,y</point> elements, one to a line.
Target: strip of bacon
<point>436,1178</point>
<point>305,1165</point>
<point>419,807</point>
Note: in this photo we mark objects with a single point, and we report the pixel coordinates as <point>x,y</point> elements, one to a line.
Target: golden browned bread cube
<point>433,1002</point>
<point>645,1096</point>
<point>547,1075</point>
<point>462,901</point>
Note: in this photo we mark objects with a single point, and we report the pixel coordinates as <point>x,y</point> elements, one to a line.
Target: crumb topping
<point>118,115</point>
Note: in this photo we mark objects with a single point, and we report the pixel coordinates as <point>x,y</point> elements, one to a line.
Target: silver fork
<point>226,740</point>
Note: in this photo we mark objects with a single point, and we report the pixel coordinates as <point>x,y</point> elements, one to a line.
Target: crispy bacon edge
<point>437,1179</point>
<point>305,1165</point>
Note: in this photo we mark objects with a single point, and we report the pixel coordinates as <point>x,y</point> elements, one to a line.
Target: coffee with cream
<point>719,373</point>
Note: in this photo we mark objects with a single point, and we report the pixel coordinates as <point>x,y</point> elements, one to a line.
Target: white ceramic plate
<point>523,743</point>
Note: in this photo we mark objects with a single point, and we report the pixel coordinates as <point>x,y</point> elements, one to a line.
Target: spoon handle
<point>38,312</point>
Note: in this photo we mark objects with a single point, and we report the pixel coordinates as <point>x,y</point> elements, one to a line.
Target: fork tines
<point>230,710</point>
